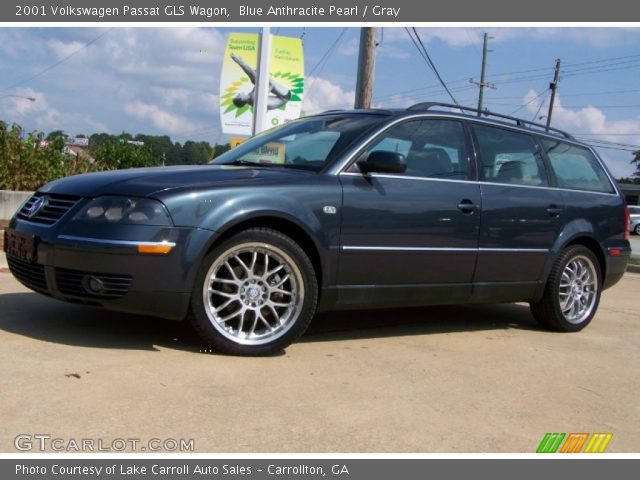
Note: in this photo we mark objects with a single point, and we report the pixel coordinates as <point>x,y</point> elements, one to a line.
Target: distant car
<point>343,210</point>
<point>634,219</point>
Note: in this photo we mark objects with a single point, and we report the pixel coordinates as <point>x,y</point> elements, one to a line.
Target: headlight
<point>124,210</point>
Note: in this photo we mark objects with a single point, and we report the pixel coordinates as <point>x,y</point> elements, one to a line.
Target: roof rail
<point>519,122</point>
<point>383,111</point>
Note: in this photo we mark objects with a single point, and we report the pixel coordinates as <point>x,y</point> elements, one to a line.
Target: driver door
<point>411,237</point>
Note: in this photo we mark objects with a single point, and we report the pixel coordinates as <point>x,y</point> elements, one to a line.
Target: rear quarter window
<point>576,168</point>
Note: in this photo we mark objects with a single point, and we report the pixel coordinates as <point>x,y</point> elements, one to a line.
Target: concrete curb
<point>3,262</point>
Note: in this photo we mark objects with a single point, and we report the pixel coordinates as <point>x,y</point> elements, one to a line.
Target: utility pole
<point>366,63</point>
<point>262,82</point>
<point>553,86</point>
<point>482,84</point>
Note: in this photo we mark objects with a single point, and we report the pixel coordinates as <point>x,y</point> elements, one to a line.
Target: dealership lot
<point>461,379</point>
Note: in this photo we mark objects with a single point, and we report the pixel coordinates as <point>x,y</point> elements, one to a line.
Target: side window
<point>575,167</point>
<point>509,157</point>
<point>432,148</point>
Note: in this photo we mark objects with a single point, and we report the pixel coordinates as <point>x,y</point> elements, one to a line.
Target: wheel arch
<point>279,224</point>
<point>582,238</point>
<point>595,247</point>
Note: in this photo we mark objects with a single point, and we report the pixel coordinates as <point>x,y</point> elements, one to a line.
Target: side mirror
<point>382,161</point>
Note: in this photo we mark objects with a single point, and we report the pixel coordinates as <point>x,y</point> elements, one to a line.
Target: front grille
<point>54,207</point>
<point>29,274</point>
<point>73,282</point>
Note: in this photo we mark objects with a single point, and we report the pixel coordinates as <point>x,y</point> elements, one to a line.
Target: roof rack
<point>358,110</point>
<point>519,122</point>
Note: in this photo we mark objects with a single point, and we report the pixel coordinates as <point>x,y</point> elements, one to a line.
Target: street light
<point>31,99</point>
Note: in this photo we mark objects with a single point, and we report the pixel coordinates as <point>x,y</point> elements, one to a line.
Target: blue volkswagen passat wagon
<point>347,209</point>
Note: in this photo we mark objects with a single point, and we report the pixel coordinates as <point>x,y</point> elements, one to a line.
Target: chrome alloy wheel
<point>253,293</point>
<point>578,290</point>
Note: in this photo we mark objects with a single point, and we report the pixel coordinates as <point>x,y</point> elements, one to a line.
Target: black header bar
<point>315,11</point>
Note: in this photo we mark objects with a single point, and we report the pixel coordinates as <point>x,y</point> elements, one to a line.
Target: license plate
<point>21,246</point>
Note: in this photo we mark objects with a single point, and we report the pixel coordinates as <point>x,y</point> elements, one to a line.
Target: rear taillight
<point>627,222</point>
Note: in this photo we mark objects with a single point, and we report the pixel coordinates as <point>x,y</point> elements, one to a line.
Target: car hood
<point>148,181</point>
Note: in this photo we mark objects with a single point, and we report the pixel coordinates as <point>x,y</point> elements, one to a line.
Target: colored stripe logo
<point>574,443</point>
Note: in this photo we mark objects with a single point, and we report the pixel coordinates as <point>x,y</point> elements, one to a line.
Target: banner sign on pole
<point>238,77</point>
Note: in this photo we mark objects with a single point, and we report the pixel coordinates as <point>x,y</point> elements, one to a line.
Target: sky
<point>165,80</point>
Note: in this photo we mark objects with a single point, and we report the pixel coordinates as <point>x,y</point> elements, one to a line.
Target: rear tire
<point>254,294</point>
<point>572,292</point>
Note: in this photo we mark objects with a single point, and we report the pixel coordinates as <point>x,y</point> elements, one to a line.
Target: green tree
<point>219,149</point>
<point>196,153</point>
<point>26,164</point>
<point>115,154</point>
<point>57,135</point>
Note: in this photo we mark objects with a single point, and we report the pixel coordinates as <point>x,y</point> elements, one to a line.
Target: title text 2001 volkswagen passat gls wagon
<point>342,210</point>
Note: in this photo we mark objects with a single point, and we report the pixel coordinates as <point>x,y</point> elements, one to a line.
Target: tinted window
<point>309,143</point>
<point>432,148</point>
<point>575,167</point>
<point>509,157</point>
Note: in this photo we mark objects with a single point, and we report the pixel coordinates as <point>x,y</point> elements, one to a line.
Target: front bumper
<point>104,266</point>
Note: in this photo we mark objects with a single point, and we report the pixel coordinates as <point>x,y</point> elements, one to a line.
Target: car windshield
<point>309,143</point>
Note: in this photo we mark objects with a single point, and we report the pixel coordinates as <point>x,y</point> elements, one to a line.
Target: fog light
<point>92,284</point>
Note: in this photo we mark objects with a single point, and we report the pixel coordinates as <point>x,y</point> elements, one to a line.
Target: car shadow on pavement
<point>39,317</point>
<point>361,324</point>
<point>35,316</point>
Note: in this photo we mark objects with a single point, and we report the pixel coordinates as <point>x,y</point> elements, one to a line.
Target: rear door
<point>521,215</point>
<point>415,229</point>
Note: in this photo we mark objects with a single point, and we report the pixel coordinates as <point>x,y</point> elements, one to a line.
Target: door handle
<point>554,211</point>
<point>467,206</point>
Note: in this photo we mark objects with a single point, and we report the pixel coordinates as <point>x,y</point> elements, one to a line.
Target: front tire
<point>254,294</point>
<point>572,292</point>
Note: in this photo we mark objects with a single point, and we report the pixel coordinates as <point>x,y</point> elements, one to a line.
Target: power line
<point>429,90</point>
<point>616,148</point>
<point>580,94</point>
<point>616,144</point>
<point>528,103</point>
<point>535,116</point>
<point>58,63</point>
<point>569,106</point>
<point>325,59</point>
<point>425,55</point>
<point>602,60</point>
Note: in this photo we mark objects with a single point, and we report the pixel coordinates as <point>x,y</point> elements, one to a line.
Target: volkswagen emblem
<point>37,206</point>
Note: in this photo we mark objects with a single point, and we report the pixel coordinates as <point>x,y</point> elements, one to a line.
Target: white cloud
<point>63,49</point>
<point>589,120</point>
<point>170,74</point>
<point>39,114</point>
<point>164,120</point>
<point>322,94</point>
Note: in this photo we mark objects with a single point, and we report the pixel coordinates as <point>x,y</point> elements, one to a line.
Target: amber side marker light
<point>157,248</point>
